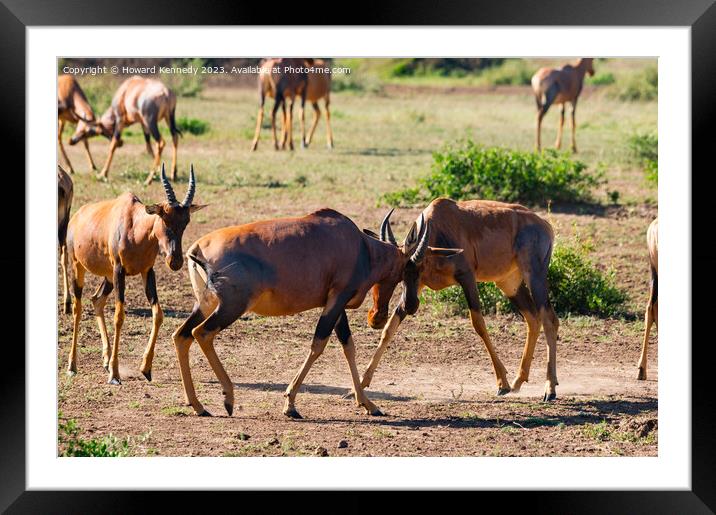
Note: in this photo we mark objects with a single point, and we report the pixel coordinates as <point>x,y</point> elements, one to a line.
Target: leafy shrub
<point>576,287</point>
<point>444,67</point>
<point>473,171</point>
<point>645,149</point>
<point>516,72</point>
<point>192,125</point>
<point>641,86</point>
<point>601,79</point>
<point>356,82</point>
<point>185,84</point>
<point>73,445</point>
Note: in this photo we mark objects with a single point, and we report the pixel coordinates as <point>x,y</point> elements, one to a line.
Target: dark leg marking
<point>151,287</point>
<point>343,330</point>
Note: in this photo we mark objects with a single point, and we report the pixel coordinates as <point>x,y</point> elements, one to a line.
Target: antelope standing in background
<point>121,237</point>
<point>65,193</point>
<point>73,107</point>
<point>282,79</point>
<point>319,87</point>
<point>559,86</point>
<point>252,267</point>
<point>652,306</point>
<point>503,243</point>
<point>143,101</point>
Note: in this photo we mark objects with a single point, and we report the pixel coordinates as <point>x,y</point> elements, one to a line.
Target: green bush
<point>192,125</point>
<point>601,79</point>
<point>73,445</point>
<point>516,72</point>
<point>576,287</point>
<point>645,149</point>
<point>473,171</point>
<point>441,67</point>
<point>185,85</point>
<point>642,86</point>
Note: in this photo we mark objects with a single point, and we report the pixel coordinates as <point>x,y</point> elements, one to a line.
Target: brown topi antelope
<point>281,79</point>
<point>65,193</point>
<point>121,237</point>
<point>559,86</point>
<point>73,107</point>
<point>252,267</point>
<point>503,243</point>
<point>143,101</point>
<point>652,307</point>
<point>319,87</point>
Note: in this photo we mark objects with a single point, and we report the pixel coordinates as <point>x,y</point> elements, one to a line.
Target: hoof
<point>515,386</point>
<point>114,381</point>
<point>329,146</point>
<point>503,391</point>
<point>229,408</point>
<point>204,414</point>
<point>106,367</point>
<point>642,374</point>
<point>292,413</point>
<point>71,373</point>
<point>304,145</point>
<point>548,397</point>
<point>148,375</point>
<point>375,412</point>
<point>68,309</point>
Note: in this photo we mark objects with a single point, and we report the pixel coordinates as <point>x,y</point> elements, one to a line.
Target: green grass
<point>72,444</point>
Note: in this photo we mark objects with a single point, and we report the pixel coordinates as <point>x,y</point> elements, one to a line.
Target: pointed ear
<point>371,234</point>
<point>154,209</point>
<point>446,253</point>
<point>196,207</point>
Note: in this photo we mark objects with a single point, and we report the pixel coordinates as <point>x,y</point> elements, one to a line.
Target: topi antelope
<point>504,243</point>
<point>252,267</point>
<point>121,237</point>
<point>65,193</point>
<point>319,87</point>
<point>281,79</point>
<point>73,107</point>
<point>652,306</point>
<point>143,101</point>
<point>558,86</point>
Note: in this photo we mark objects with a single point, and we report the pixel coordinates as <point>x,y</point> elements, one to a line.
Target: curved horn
<point>168,187</point>
<point>419,253</point>
<point>192,188</point>
<point>386,233</point>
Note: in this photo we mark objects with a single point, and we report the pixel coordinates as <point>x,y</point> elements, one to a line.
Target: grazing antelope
<point>652,306</point>
<point>503,243</point>
<point>143,101</point>
<point>281,79</point>
<point>121,237</point>
<point>252,267</point>
<point>73,107</point>
<point>558,86</point>
<point>319,87</point>
<point>65,193</point>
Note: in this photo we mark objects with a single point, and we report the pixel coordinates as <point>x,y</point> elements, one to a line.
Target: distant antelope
<point>65,193</point>
<point>282,79</point>
<point>252,267</point>
<point>73,107</point>
<point>503,243</point>
<point>143,101</point>
<point>652,307</point>
<point>121,237</point>
<point>558,86</point>
<point>319,86</point>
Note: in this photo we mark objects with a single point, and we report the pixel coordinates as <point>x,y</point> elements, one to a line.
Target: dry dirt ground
<point>435,383</point>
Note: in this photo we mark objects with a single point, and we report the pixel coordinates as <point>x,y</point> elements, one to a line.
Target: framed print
<point>387,255</point>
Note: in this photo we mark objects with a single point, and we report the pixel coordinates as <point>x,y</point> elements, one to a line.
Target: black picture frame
<point>699,15</point>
